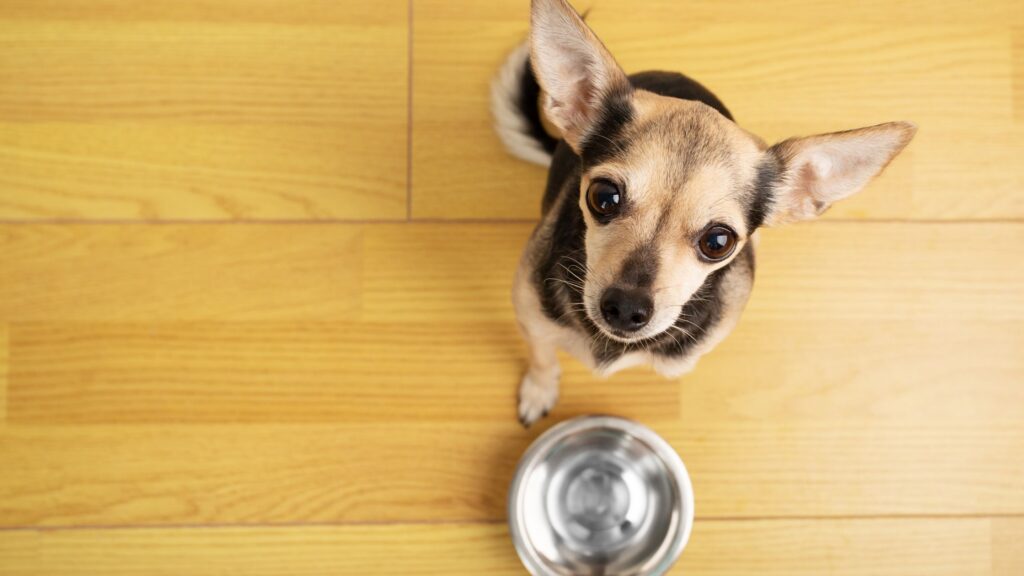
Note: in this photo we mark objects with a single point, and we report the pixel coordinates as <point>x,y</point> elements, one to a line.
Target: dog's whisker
<point>685,333</point>
<point>698,327</point>
<point>568,283</point>
<point>674,339</point>
<point>573,274</point>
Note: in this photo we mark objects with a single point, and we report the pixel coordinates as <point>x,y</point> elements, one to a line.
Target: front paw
<point>536,398</point>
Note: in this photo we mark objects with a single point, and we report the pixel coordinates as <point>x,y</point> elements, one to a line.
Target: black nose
<point>626,310</point>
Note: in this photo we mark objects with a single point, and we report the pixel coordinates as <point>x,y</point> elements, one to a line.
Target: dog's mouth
<point>621,336</point>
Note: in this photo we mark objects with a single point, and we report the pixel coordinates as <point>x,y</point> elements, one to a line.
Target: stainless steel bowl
<point>599,495</point>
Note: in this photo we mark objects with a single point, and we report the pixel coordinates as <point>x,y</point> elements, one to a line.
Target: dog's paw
<point>536,399</point>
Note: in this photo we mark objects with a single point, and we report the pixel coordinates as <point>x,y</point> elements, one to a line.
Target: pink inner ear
<point>821,164</point>
<point>586,101</point>
<point>839,168</point>
<point>810,182</point>
<point>573,114</point>
<point>820,170</point>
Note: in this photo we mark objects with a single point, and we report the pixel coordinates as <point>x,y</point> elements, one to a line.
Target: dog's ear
<point>812,173</point>
<point>575,71</point>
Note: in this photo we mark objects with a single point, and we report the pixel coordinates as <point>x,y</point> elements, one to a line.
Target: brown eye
<point>717,243</point>
<point>604,199</point>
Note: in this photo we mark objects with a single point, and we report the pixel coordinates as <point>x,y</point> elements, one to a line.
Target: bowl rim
<point>661,448</point>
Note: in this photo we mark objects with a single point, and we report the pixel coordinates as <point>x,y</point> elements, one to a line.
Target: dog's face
<point>665,206</point>
<point>671,190</point>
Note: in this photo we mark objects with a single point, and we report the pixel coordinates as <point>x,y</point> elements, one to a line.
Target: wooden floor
<point>255,260</point>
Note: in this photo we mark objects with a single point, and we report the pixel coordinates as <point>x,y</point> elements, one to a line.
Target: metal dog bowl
<point>599,495</point>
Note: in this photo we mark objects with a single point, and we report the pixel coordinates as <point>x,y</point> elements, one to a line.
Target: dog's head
<point>671,190</point>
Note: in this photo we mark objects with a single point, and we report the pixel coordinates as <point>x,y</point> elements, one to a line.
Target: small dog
<point>645,250</point>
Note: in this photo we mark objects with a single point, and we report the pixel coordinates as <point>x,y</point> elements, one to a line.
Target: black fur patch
<point>565,167</point>
<point>678,85</point>
<point>529,107</point>
<point>562,260</point>
<point>607,139</point>
<point>762,195</point>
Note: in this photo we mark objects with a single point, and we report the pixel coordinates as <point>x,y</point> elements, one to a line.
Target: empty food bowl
<point>600,495</point>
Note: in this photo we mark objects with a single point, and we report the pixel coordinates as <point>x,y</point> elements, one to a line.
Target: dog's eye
<point>604,199</point>
<point>717,243</point>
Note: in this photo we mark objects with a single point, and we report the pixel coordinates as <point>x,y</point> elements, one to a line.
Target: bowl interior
<point>600,497</point>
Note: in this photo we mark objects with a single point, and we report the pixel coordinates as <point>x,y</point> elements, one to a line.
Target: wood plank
<point>1018,73</point>
<point>810,547</point>
<point>814,547</point>
<point>831,270</point>
<point>909,371</point>
<point>157,475</point>
<point>971,172</point>
<point>115,273</point>
<point>298,551</point>
<point>879,12</point>
<point>306,12</point>
<point>891,271</point>
<point>249,117</point>
<point>875,360</point>
<point>308,373</point>
<point>852,467</point>
<point>459,272</point>
<point>4,366</point>
<point>435,298</point>
<point>274,372</point>
<point>145,171</point>
<point>954,79</point>
<point>1007,546</point>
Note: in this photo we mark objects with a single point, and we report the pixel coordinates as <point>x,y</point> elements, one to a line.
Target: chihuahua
<point>645,249</point>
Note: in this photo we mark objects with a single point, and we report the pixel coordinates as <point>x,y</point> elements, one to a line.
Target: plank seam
<point>486,522</point>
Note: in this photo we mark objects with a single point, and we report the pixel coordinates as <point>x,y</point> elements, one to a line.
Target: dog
<point>644,253</point>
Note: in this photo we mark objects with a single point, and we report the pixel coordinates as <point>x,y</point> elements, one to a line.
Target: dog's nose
<point>626,310</point>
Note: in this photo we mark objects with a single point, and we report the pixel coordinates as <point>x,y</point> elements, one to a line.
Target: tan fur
<point>661,189</point>
<point>686,167</point>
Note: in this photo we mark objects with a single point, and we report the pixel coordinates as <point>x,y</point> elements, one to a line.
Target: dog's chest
<point>605,361</point>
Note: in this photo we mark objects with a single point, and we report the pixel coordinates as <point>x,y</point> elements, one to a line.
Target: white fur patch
<point>512,128</point>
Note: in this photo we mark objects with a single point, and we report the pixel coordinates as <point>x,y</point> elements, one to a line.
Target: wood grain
<point>781,75</point>
<point>153,475</point>
<point>1007,546</point>
<point>1018,73</point>
<point>879,12</point>
<point>866,271</point>
<point>189,113</point>
<point>216,359</point>
<point>204,336</point>
<point>179,273</point>
<point>283,12</point>
<point>273,372</point>
<point>462,272</point>
<point>4,365</point>
<point>309,372</point>
<point>837,547</point>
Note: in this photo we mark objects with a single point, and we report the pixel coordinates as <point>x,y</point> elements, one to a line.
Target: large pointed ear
<point>575,71</point>
<point>816,171</point>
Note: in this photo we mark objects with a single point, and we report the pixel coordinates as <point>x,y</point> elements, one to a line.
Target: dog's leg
<point>538,391</point>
